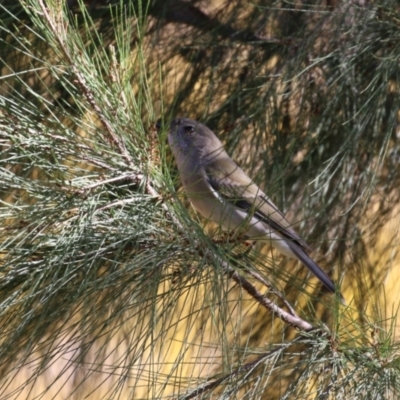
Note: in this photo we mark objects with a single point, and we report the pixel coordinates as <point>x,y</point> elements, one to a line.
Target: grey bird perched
<point>222,192</point>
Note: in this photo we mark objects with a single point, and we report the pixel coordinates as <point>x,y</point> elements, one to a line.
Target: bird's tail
<point>315,269</point>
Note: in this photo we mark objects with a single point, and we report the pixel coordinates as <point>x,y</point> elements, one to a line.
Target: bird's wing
<point>234,185</point>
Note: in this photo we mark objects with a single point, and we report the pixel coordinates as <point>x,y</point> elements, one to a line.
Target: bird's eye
<point>189,129</point>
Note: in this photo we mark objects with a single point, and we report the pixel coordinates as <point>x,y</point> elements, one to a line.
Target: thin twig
<point>285,316</point>
<point>123,202</point>
<point>133,178</point>
<point>259,278</point>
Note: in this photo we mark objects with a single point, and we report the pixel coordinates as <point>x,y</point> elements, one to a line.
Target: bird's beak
<point>159,124</point>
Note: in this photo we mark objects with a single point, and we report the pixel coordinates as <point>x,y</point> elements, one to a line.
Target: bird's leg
<point>249,247</point>
<point>232,237</point>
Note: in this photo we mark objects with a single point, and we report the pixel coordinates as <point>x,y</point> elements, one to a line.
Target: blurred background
<point>110,285</point>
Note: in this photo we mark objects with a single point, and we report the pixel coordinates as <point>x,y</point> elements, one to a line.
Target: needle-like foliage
<point>110,287</point>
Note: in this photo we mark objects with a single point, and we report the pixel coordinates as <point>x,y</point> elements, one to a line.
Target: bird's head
<point>191,138</point>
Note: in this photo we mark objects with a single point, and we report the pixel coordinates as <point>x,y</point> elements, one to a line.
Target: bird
<point>222,192</point>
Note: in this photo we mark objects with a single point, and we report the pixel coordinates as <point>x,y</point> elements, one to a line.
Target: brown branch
<point>289,317</point>
<point>285,316</point>
<point>259,278</point>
